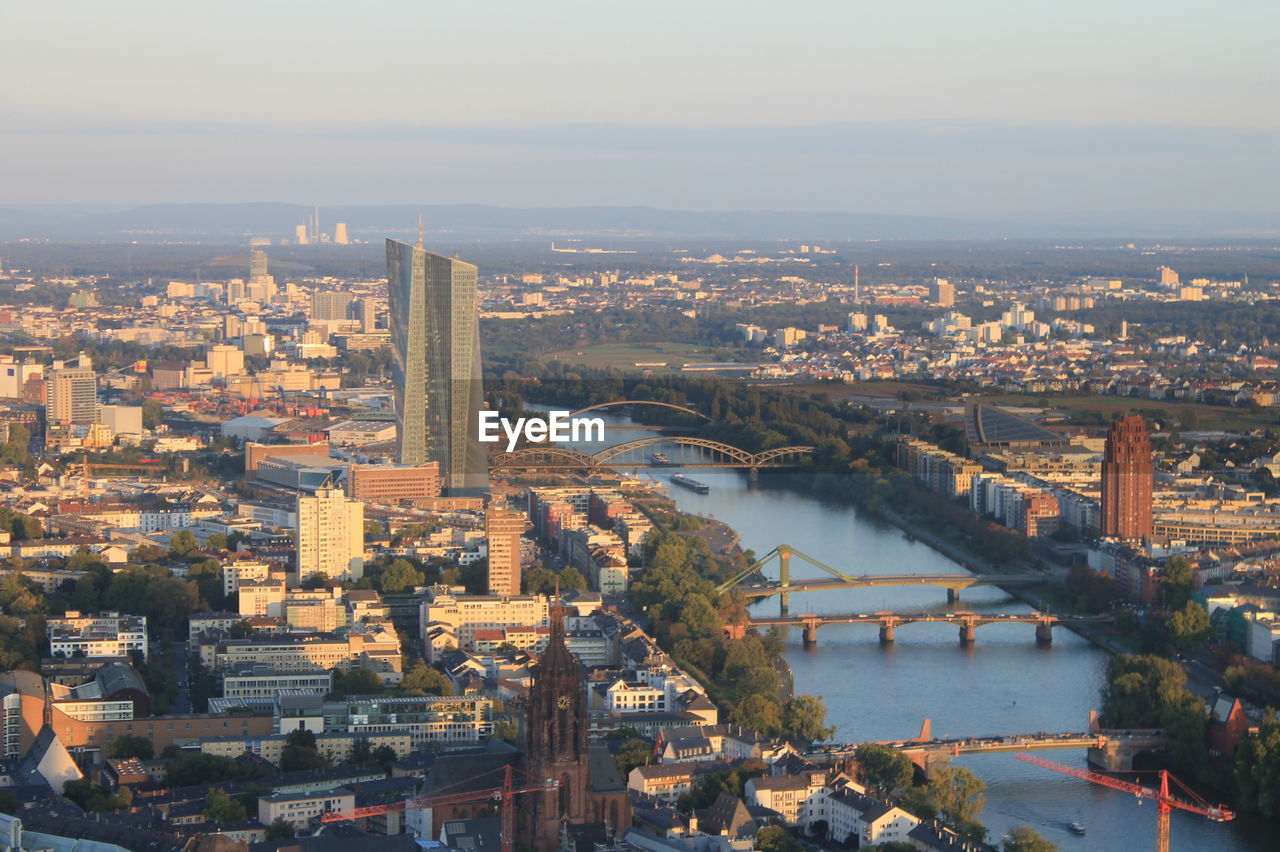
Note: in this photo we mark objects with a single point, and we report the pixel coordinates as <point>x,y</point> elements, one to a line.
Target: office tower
<point>330,535</point>
<point>366,311</point>
<point>502,530</point>
<point>73,393</point>
<point>943,294</point>
<point>230,326</point>
<point>330,305</point>
<point>258,258</point>
<point>1127,479</point>
<point>857,322</point>
<point>435,344</point>
<point>300,235</point>
<point>340,234</point>
<point>1168,277</point>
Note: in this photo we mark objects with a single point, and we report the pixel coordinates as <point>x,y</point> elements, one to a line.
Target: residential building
<point>503,529</point>
<point>108,634</point>
<point>330,535</point>
<point>73,393</point>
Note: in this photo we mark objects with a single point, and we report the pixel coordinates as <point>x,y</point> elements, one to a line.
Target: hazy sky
<point>910,106</point>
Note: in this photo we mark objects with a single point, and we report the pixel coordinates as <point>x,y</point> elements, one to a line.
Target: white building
<point>108,634</point>
<point>330,535</point>
<point>458,617</point>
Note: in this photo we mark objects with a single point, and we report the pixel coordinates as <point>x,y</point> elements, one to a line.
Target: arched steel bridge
<point>620,402</point>
<point>695,452</point>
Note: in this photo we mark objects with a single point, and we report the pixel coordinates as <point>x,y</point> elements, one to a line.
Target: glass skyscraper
<point>435,341</point>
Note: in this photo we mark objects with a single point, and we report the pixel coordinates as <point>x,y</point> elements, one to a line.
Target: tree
<point>361,752</point>
<point>383,755</point>
<point>956,794</point>
<point>16,450</point>
<point>803,719</point>
<point>633,753</point>
<point>182,543</point>
<point>216,541</point>
<point>421,679</point>
<point>700,617</point>
<point>474,577</point>
<point>884,769</point>
<point>1258,768</point>
<point>538,580</point>
<point>130,745</point>
<point>775,838</point>
<point>401,575</point>
<point>1188,626</point>
<point>279,830</point>
<point>300,752</point>
<point>152,412</point>
<point>758,713</point>
<point>1176,583</point>
<point>1024,838</point>
<point>571,578</point>
<point>223,808</point>
<point>356,682</point>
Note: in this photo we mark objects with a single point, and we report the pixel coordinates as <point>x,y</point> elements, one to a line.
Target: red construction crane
<point>502,796</point>
<point>1165,801</point>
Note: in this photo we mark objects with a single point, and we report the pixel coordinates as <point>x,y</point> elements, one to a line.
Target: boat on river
<point>692,484</point>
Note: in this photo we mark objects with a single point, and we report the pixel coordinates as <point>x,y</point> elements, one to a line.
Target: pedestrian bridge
<point>1111,749</point>
<point>838,579</point>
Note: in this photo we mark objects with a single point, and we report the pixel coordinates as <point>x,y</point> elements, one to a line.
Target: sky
<point>985,108</point>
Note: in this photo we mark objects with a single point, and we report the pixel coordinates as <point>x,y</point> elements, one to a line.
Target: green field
<point>623,356</point>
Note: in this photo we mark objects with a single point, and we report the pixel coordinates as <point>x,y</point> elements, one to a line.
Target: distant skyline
<point>984,109</point>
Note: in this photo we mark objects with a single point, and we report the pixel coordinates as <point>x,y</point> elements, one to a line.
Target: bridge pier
<point>953,595</point>
<point>1044,633</point>
<point>784,604</point>
<point>886,634</point>
<point>968,633</point>
<point>810,634</point>
<point>753,474</point>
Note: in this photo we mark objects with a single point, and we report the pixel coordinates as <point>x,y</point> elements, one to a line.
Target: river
<point>1002,684</point>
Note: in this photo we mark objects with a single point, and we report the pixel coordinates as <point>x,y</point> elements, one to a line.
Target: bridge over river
<point>969,622</point>
<point>1113,750</point>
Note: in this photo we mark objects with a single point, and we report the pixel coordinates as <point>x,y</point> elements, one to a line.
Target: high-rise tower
<point>435,343</point>
<point>502,530</point>
<point>1128,479</point>
<point>330,535</point>
<point>73,393</point>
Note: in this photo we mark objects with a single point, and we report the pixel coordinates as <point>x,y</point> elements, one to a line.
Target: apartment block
<point>107,634</point>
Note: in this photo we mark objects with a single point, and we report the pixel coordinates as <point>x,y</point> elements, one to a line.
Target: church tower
<point>555,748</point>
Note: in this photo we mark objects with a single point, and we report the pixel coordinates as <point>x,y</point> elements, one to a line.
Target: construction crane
<point>1165,801</point>
<point>87,468</point>
<point>502,796</point>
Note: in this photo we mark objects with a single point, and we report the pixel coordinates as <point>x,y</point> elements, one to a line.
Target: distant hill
<point>231,223</point>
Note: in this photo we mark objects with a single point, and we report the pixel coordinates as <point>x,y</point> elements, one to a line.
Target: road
<point>182,701</point>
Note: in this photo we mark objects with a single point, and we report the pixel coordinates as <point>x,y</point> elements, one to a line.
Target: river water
<point>1002,684</point>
